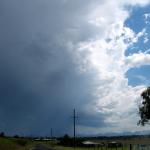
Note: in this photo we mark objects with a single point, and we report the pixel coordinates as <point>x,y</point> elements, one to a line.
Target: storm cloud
<point>39,82</point>
<point>48,66</point>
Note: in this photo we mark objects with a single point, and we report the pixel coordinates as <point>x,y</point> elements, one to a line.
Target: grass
<point>15,144</point>
<point>7,143</point>
<point>26,144</point>
<point>103,148</point>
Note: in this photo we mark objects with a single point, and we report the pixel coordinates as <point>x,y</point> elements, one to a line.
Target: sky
<point>57,55</point>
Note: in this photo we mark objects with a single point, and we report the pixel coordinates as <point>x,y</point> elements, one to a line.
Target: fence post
<point>130,147</point>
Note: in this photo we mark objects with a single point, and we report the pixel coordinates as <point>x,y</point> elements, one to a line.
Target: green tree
<point>144,109</point>
<point>2,134</point>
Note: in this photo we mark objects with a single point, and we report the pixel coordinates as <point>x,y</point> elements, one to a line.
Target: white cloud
<point>137,60</point>
<point>146,40</point>
<point>135,2</point>
<point>146,15</point>
<point>106,54</point>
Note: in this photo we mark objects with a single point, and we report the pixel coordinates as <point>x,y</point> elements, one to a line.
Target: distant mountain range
<point>110,134</point>
<point>146,132</point>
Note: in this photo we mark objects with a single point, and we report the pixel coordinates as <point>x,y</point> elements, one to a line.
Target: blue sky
<point>138,22</point>
<point>57,55</point>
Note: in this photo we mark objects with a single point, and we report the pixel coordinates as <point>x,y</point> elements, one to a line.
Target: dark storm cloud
<point>39,81</point>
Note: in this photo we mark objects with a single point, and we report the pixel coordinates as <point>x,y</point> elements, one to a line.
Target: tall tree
<point>144,109</point>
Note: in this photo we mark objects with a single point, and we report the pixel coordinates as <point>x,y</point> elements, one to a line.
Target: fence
<point>123,147</point>
<point>141,147</point>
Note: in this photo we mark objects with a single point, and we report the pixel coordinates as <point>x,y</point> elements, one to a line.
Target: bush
<point>21,142</point>
<point>16,136</point>
<point>68,141</point>
<point>2,134</point>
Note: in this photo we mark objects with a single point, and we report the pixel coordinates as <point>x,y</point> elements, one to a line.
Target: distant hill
<point>118,134</point>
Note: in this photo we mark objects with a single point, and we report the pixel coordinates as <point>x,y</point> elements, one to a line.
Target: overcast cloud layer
<point>56,55</point>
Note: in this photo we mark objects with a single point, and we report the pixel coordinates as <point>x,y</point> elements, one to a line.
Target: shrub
<point>21,142</point>
<point>2,134</point>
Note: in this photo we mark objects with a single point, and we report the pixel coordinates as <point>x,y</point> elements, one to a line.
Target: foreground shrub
<point>21,142</point>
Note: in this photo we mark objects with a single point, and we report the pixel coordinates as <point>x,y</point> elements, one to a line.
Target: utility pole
<point>51,133</point>
<point>74,128</point>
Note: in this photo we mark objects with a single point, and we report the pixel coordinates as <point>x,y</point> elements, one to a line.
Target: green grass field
<point>15,144</point>
<point>103,148</point>
<point>26,144</point>
<point>7,143</point>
